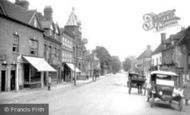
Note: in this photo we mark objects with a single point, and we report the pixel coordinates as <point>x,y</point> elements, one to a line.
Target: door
<point>13,72</point>
<point>3,80</point>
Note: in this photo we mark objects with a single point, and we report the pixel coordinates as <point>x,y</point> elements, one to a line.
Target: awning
<point>39,63</point>
<point>72,67</point>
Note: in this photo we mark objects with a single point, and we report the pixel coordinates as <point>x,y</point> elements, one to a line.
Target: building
<point>67,56</point>
<point>22,44</point>
<point>52,44</point>
<point>73,29</point>
<point>93,63</point>
<point>157,54</point>
<point>175,55</point>
<point>144,61</point>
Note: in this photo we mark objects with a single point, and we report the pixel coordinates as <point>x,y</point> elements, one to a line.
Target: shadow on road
<point>165,106</point>
<point>117,84</point>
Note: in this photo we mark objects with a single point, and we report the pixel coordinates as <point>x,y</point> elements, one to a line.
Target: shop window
<point>15,47</point>
<point>33,47</point>
<point>35,75</point>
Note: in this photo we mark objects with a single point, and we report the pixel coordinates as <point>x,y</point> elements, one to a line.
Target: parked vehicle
<point>162,88</point>
<point>136,80</point>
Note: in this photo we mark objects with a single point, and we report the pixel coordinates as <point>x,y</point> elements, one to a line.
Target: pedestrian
<point>187,92</point>
<point>49,83</point>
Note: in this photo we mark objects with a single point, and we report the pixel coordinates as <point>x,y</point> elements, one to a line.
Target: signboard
<point>160,21</point>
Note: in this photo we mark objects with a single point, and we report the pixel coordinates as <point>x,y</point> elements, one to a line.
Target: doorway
<point>3,80</point>
<point>13,72</point>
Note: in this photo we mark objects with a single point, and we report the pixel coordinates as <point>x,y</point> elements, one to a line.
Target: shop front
<point>32,72</point>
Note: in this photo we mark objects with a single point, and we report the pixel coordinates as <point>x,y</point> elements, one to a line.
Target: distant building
<point>144,61</point>
<point>157,54</point>
<point>22,44</point>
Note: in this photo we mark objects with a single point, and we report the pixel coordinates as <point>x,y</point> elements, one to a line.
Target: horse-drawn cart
<point>136,80</point>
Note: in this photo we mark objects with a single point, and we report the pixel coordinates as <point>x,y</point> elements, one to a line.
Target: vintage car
<point>162,88</point>
<point>135,80</point>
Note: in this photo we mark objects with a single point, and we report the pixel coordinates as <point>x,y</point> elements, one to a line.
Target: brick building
<point>22,44</point>
<point>73,29</point>
<point>52,43</point>
<point>175,55</point>
<point>67,56</point>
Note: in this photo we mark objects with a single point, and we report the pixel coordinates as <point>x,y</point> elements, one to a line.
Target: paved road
<point>108,96</point>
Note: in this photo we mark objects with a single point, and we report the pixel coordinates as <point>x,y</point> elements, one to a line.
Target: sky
<point>116,24</point>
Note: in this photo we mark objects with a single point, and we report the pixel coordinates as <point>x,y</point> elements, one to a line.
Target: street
<point>107,96</point>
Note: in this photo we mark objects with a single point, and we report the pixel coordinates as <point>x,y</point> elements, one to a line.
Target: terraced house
<point>22,47</point>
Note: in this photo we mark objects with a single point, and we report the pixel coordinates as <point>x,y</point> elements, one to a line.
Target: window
<point>33,43</point>
<point>15,47</point>
<point>45,51</point>
<point>56,53</point>
<point>35,23</point>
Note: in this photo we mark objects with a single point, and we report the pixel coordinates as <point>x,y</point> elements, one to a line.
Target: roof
<point>72,21</point>
<point>164,73</point>
<point>146,54</point>
<point>16,12</point>
<point>158,49</point>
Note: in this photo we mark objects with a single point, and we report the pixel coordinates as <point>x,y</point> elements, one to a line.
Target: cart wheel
<point>180,105</point>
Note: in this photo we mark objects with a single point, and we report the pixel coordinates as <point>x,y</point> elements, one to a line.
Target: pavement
<point>5,97</point>
<point>107,96</point>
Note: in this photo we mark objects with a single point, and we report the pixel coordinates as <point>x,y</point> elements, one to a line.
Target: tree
<point>127,64</point>
<point>104,57</point>
<point>116,64</point>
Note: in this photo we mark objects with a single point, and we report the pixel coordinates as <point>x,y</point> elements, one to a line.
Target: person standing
<point>49,83</point>
<point>187,92</point>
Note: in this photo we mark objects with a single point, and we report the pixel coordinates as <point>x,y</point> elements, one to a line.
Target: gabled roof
<point>146,54</point>
<point>16,12</point>
<point>158,49</point>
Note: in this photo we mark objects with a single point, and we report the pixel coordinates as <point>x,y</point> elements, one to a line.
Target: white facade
<point>157,59</point>
<point>67,49</point>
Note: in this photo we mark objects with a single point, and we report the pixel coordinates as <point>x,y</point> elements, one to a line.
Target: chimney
<point>48,12</point>
<point>22,3</point>
<point>163,37</point>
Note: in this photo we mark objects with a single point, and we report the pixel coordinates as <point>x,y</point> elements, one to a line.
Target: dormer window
<point>35,23</point>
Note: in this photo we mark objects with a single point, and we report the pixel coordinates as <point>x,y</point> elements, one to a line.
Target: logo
<point>160,21</point>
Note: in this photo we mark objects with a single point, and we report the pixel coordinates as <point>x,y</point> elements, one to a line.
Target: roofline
<point>51,39</point>
<point>17,21</point>
<point>32,17</point>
